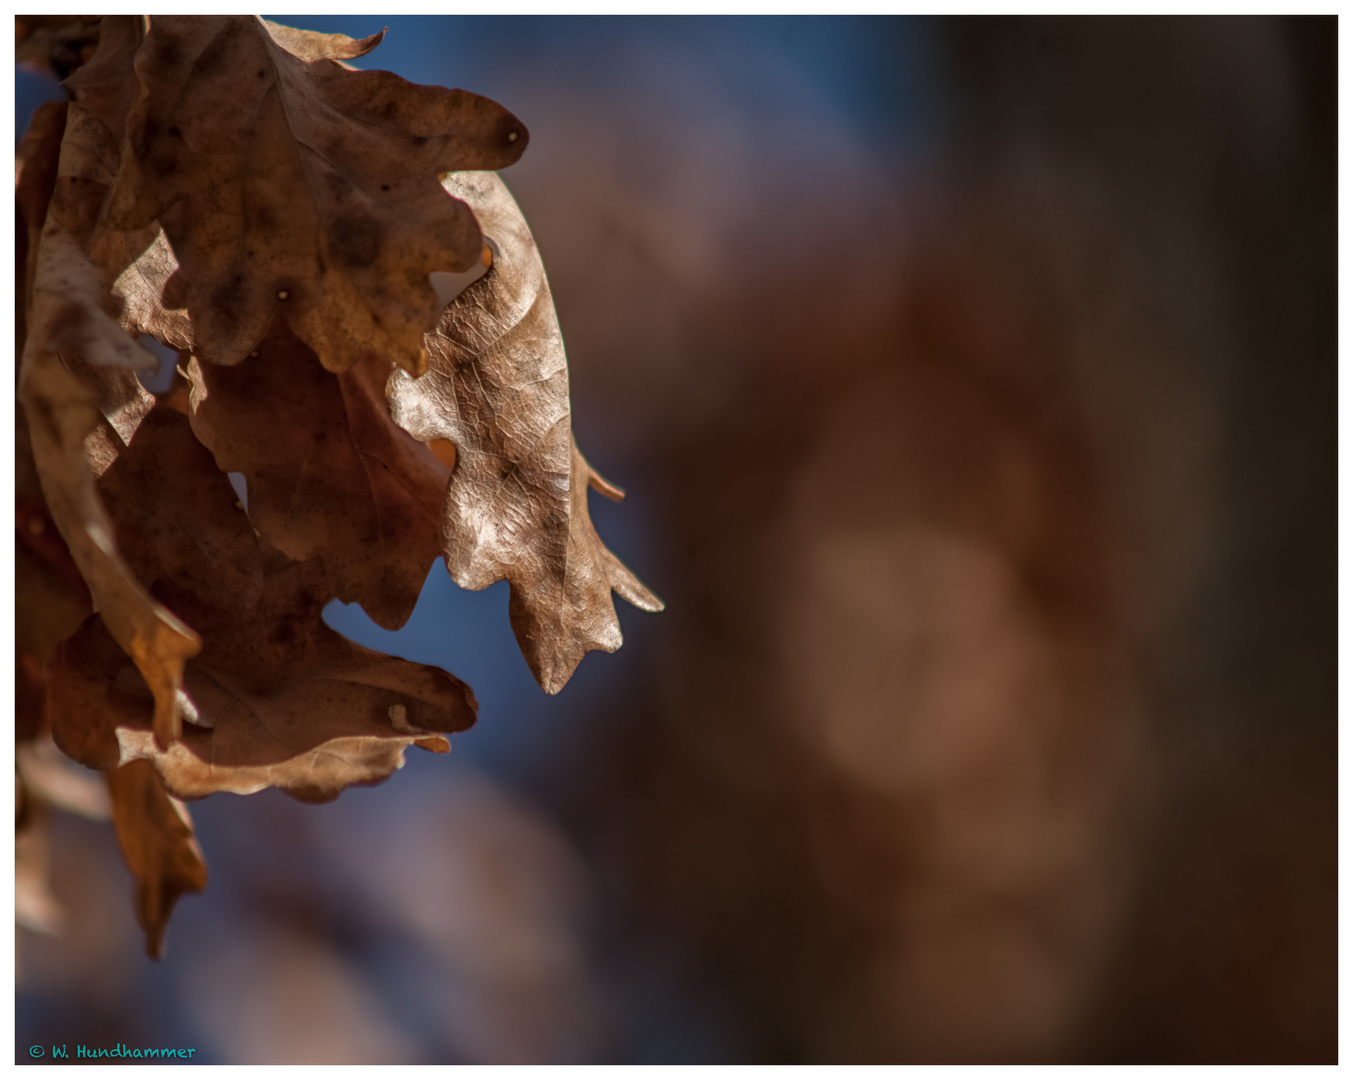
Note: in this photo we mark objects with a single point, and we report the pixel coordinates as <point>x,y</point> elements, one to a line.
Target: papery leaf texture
<point>516,508</point>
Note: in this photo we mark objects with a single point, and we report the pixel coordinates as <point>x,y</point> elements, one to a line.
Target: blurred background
<point>973,382</point>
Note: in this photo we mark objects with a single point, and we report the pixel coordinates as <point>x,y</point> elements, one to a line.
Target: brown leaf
<point>516,508</point>
<point>102,94</point>
<point>139,262</point>
<point>177,518</point>
<point>47,608</point>
<point>50,597</point>
<point>299,187</point>
<point>277,700</point>
<point>329,474</point>
<point>158,844</point>
<point>70,330</point>
<point>35,166</point>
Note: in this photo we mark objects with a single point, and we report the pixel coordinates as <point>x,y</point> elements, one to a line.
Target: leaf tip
<point>417,364</point>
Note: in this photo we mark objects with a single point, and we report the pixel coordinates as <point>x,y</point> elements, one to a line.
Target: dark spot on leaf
<point>175,133</point>
<point>420,140</point>
<point>385,187</point>
<point>357,240</point>
<point>227,298</point>
<point>284,631</point>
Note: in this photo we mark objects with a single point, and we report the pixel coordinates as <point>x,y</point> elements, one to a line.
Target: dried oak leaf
<point>177,518</point>
<point>278,700</point>
<point>65,415</point>
<point>101,94</point>
<point>50,597</point>
<point>516,507</point>
<point>311,45</point>
<point>158,844</point>
<point>35,167</point>
<point>48,606</point>
<point>300,187</point>
<point>138,263</point>
<point>275,697</point>
<point>328,472</point>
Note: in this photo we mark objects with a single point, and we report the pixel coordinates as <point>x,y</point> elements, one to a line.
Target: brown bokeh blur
<point>989,476</point>
<point>998,718</point>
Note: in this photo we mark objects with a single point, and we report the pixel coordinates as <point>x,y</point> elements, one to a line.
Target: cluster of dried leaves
<point>233,189</point>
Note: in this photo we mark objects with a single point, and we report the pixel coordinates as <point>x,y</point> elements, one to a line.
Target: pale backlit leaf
<point>516,508</point>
